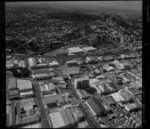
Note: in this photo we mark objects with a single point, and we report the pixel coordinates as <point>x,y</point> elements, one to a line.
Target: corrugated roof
<point>24,84</point>
<point>65,118</point>
<point>88,48</point>
<point>30,119</point>
<point>70,117</point>
<point>75,50</point>
<point>57,120</point>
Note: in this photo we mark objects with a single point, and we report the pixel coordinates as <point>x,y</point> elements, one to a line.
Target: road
<point>45,122</point>
<point>91,120</point>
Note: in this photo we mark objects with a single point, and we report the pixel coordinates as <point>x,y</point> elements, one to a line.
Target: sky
<point>89,5</point>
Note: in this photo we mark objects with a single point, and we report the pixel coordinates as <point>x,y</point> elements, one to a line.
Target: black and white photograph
<point>74,64</point>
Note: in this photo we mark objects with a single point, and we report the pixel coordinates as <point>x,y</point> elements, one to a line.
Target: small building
<point>72,63</point>
<point>131,107</point>
<point>118,64</point>
<point>54,64</point>
<point>117,97</point>
<point>108,68</point>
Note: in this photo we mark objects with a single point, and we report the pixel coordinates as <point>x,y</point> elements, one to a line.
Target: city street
<point>91,120</point>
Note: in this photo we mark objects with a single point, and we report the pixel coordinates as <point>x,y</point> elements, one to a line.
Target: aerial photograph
<point>73,64</point>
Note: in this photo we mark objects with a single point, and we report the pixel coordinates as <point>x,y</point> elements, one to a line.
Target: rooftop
<point>24,84</point>
<point>75,50</point>
<point>57,120</point>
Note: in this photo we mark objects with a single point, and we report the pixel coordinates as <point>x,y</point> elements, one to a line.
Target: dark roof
<point>99,104</point>
<point>94,106</point>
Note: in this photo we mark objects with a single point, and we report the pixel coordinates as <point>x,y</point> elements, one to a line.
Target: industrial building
<point>81,83</point>
<point>75,50</point>
<point>24,85</point>
<point>42,76</point>
<point>89,49</point>
<point>95,106</point>
<point>61,119</point>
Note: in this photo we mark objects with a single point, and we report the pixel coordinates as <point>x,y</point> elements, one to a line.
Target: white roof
<point>117,97</point>
<point>74,50</point>
<point>94,81</point>
<point>24,84</point>
<point>37,125</point>
<point>31,62</point>
<point>57,120</point>
<point>54,63</point>
<point>88,48</point>
<point>26,93</point>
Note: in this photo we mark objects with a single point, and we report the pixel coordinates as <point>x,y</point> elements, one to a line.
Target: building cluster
<point>87,91</point>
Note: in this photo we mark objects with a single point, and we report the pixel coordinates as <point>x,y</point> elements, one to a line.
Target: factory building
<point>89,49</point>
<point>75,50</point>
<point>42,76</point>
<point>62,119</point>
<point>81,83</point>
<point>95,106</point>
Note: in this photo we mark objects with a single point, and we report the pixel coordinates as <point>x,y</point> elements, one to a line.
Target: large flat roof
<point>24,84</point>
<point>88,48</point>
<point>75,50</point>
<point>57,120</point>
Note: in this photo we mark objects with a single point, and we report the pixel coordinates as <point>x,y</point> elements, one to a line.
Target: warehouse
<point>75,50</point>
<point>24,85</point>
<point>89,49</point>
<point>42,76</point>
<point>57,120</point>
<point>95,107</point>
